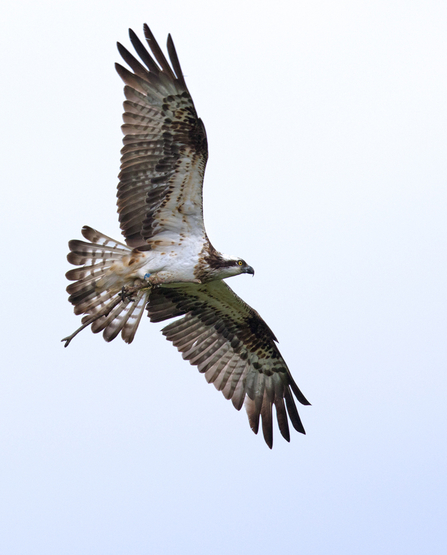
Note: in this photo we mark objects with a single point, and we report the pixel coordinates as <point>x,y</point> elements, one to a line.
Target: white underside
<point>166,263</point>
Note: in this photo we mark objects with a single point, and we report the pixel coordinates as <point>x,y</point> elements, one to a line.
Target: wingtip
<point>298,393</point>
<point>147,32</point>
<point>133,36</point>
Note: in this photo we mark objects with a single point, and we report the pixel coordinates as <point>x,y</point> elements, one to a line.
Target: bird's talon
<point>126,295</point>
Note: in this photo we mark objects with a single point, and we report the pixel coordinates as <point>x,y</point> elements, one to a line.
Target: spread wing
<point>165,150</point>
<point>232,345</point>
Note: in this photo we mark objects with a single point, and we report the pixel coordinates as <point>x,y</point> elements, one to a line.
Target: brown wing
<point>165,149</point>
<point>232,345</point>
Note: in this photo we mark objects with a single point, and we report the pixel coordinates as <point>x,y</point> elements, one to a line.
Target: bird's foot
<point>126,294</point>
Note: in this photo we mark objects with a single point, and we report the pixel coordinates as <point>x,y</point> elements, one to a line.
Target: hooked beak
<point>249,270</point>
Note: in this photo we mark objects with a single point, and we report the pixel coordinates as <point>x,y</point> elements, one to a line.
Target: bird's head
<point>221,266</point>
<point>234,266</point>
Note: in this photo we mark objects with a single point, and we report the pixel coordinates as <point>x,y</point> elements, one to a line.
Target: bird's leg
<point>126,294</point>
<point>105,312</point>
<point>74,334</point>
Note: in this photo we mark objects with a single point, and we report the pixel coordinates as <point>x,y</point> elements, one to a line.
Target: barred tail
<point>100,291</point>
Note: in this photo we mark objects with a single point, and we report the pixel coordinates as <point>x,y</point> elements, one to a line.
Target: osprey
<point>168,265</point>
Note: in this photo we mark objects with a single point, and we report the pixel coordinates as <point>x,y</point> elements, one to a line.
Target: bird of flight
<point>167,265</point>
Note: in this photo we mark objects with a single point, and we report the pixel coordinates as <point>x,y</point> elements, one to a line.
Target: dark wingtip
<point>119,68</point>
<point>268,434</point>
<point>298,394</point>
<point>121,49</point>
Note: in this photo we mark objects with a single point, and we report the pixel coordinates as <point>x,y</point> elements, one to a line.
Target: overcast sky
<point>327,131</point>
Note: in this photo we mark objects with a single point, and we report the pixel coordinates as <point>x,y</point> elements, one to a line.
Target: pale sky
<point>327,132</point>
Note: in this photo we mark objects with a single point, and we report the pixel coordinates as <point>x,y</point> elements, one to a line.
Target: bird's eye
<point>240,262</point>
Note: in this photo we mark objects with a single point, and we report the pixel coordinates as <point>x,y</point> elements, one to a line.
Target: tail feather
<point>98,283</point>
<point>117,323</point>
<point>93,270</point>
<point>92,300</point>
<point>84,279</point>
<point>99,238</point>
<point>131,325</point>
<point>106,323</point>
<point>86,253</point>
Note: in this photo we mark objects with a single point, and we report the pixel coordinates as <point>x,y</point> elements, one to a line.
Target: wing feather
<point>165,149</point>
<point>239,368</point>
<point>230,343</point>
<point>267,424</point>
<point>157,52</point>
<point>238,396</point>
<point>143,53</point>
<point>175,61</point>
<point>281,416</point>
<point>208,366</point>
